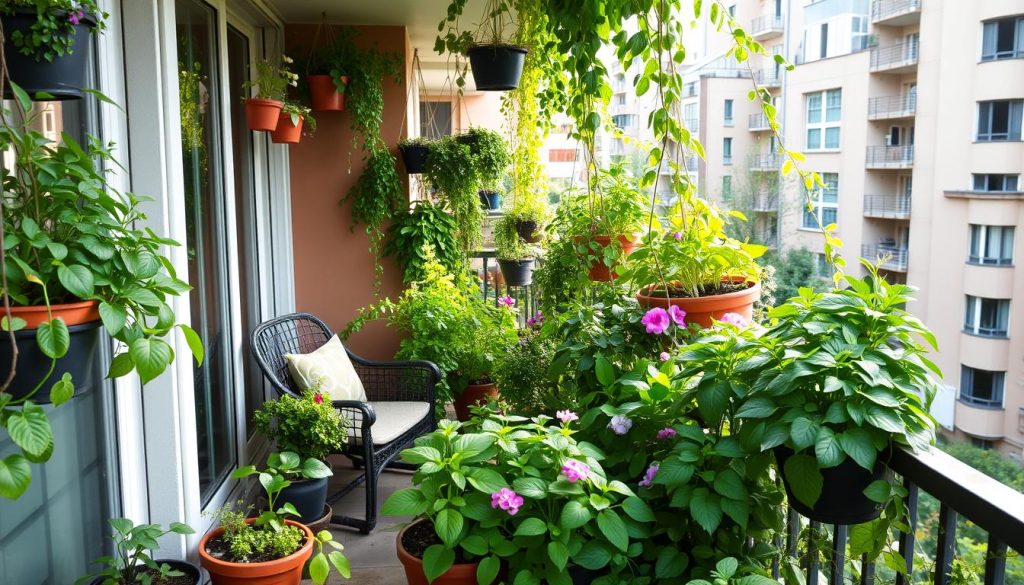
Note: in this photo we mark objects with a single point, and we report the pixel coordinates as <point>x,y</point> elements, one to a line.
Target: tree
<point>794,269</point>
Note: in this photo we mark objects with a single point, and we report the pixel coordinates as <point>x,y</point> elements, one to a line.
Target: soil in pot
<point>323,94</point>
<point>472,395</point>
<point>308,496</point>
<point>415,158</point>
<point>842,499</point>
<point>413,541</point>
<point>65,77</point>
<point>598,270</point>
<point>517,272</point>
<point>281,571</point>
<point>262,115</point>
<point>529,231</point>
<point>732,296</point>
<point>192,574</point>
<point>496,67</point>
<point>286,132</point>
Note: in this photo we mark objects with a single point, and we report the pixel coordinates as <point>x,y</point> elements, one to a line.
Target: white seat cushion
<point>393,420</point>
<point>329,365</point>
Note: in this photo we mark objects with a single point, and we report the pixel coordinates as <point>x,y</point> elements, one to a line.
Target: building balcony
<point>889,157</point>
<point>758,123</point>
<point>692,161</point>
<point>900,58</point>
<point>887,206</point>
<point>767,238</point>
<point>768,78</point>
<point>979,419</point>
<point>768,162</point>
<point>892,107</point>
<point>766,27</point>
<point>893,258</point>
<point>765,203</point>
<point>895,12</point>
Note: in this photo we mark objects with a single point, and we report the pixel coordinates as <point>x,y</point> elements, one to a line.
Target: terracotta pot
<point>285,571</point>
<point>702,310</point>
<point>262,115</point>
<point>70,313</point>
<point>324,95</point>
<point>286,132</point>
<point>462,574</point>
<point>472,395</point>
<point>598,271</point>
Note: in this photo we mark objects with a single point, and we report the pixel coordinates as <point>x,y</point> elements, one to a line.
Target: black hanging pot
<point>469,140</point>
<point>308,496</point>
<point>581,576</point>
<point>65,76</point>
<point>194,574</point>
<point>415,158</point>
<point>491,200</point>
<point>528,231</point>
<point>517,272</point>
<point>842,499</point>
<point>496,67</point>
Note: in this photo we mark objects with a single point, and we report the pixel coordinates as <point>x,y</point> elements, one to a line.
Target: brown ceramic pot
<point>702,310</point>
<point>284,571</point>
<point>472,395</point>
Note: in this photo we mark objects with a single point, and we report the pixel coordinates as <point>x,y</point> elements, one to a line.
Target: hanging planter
<point>63,76</point>
<point>490,200</point>
<point>703,310</point>
<point>529,231</point>
<point>496,67</point>
<point>599,271</point>
<point>517,272</point>
<point>324,93</point>
<point>262,115</point>
<point>414,155</point>
<point>842,499</point>
<point>287,131</point>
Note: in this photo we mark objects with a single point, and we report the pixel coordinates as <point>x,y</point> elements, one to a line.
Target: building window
<point>1003,39</point>
<point>727,151</point>
<point>859,31</point>
<point>822,268</point>
<point>435,119</point>
<point>732,10</point>
<point>728,112</point>
<point>991,244</point>
<point>824,112</point>
<point>987,317</point>
<point>825,204</point>
<point>981,443</point>
<point>981,387</point>
<point>996,183</point>
<point>562,155</point>
<point>823,52</point>
<point>623,120</point>
<point>726,187</point>
<point>1000,120</point>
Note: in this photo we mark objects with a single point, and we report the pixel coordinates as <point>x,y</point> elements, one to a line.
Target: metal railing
<point>768,77</point>
<point>493,287</point>
<point>758,122</point>
<point>893,56</point>
<point>766,25</point>
<point>887,206</point>
<point>885,157</point>
<point>771,161</point>
<point>765,203</point>
<point>892,257</point>
<point>884,9</point>
<point>892,106</point>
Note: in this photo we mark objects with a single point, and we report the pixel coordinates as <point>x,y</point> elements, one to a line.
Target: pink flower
<point>318,398</point>
<point>664,356</point>
<point>678,315</point>
<point>620,424</point>
<point>648,479</point>
<point>656,320</point>
<point>507,500</point>
<point>537,319</point>
<point>507,301</point>
<point>734,319</point>
<point>575,470</point>
<point>666,433</point>
<point>75,18</point>
<point>678,236</point>
<point>566,416</point>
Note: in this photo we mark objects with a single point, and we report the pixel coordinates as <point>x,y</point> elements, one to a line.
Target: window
<point>620,99</point>
<point>1003,39</point>
<point>562,155</point>
<point>981,443</point>
<point>435,119</point>
<point>728,112</point>
<point>732,10</point>
<point>824,41</point>
<point>996,182</point>
<point>991,244</point>
<point>822,269</point>
<point>981,387</point>
<point>859,32</point>
<point>726,187</point>
<point>826,204</point>
<point>1000,120</point>
<point>986,317</point>
<point>824,113</point>
<point>624,120</point>
<point>727,151</point>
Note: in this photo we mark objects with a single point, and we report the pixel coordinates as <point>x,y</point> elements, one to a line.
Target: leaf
<point>62,390</point>
<point>150,356</point>
<point>15,475</point>
<point>856,442</point>
<point>727,567</point>
<point>531,527</point>
<point>878,491</point>
<point>340,562</point>
<point>436,560</point>
<point>613,528</point>
<point>729,484</point>
<point>195,344</point>
<point>804,478</point>
<point>77,279</point>
<point>120,365</point>
<point>594,555</point>
<point>757,407</point>
<point>318,569</point>
<point>604,370</point>
<point>884,418</point>
<point>803,432</point>
<point>53,338</point>
<point>637,509</point>
<point>827,449</point>
<point>487,570</point>
<point>30,429</point>
<point>530,487</point>
<point>474,544</point>
<point>448,524</point>
<point>574,515</point>
<point>485,480</point>
<point>313,468</point>
<point>671,563</point>
<point>705,509</point>
<point>558,553</point>
<point>114,317</point>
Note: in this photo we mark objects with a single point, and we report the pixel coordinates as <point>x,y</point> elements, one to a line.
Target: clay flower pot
<point>324,95</point>
<point>262,115</point>
<point>702,310</point>
<point>286,132</point>
<point>461,574</point>
<point>472,395</point>
<point>598,270</point>
<point>284,571</point>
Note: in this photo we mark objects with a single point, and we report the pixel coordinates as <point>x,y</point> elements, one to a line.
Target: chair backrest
<point>294,333</point>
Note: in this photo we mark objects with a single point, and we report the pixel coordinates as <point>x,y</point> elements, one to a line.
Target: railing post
<point>946,547</point>
<point>838,572</point>
<point>812,553</point>
<point>907,538</point>
<point>995,562</point>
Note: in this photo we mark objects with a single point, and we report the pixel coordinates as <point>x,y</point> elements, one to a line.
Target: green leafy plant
<point>490,156</point>
<point>451,170</point>
<point>297,112</point>
<point>133,554</point>
<point>375,197</point>
<point>727,572</point>
<point>507,243</point>
<point>415,141</point>
<point>368,69</point>
<point>271,80</point>
<point>308,426</point>
<point>521,371</point>
<point>337,58</point>
<point>52,35</point>
<point>424,225</point>
<point>528,207</point>
<point>289,465</point>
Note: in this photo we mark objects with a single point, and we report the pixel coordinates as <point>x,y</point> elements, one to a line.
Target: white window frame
<point>981,234</point>
<point>972,317</point>
<point>729,112</point>
<point>821,123</point>
<point>820,204</point>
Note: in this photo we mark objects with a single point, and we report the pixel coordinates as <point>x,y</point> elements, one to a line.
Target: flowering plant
<point>271,80</point>
<point>308,425</point>
<point>52,35</point>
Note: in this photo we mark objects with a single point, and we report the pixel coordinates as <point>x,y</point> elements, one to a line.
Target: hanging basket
<point>324,95</point>
<point>415,158</point>
<point>496,67</point>
<point>287,132</point>
<point>517,272</point>
<point>842,499</point>
<point>63,78</point>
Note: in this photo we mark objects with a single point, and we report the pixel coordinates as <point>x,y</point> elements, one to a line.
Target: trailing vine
<point>375,197</point>
<point>450,169</point>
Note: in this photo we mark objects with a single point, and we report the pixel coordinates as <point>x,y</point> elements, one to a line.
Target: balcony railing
<point>887,206</point>
<point>882,10</point>
<point>893,258</point>
<point>893,57</point>
<point>767,26</point>
<point>768,78</point>
<point>493,287</point>
<point>758,123</point>
<point>771,161</point>
<point>892,106</point>
<point>765,203</point>
<point>889,157</point>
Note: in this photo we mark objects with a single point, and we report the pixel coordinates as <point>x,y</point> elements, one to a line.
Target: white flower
<point>286,59</point>
<point>620,424</point>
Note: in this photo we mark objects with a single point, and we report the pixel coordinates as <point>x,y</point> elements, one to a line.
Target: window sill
<point>822,150</point>
<point>1003,337</point>
<point>998,59</point>
<point>979,406</point>
<point>988,264</point>
<point>1015,141</point>
<point>814,230</point>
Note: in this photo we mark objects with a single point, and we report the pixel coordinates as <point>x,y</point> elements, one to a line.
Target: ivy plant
<point>375,197</point>
<point>451,170</point>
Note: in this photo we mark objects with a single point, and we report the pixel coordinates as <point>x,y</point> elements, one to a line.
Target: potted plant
<point>521,371</point>
<point>270,83</point>
<point>307,481</point>
<point>47,46</point>
<point>414,154</point>
<point>490,200</point>
<point>425,224</point>
<point>451,169</point>
<point>289,126</point>
<point>133,557</point>
<point>268,548</point>
<point>529,213</point>
<point>515,256</point>
<point>327,74</point>
<point>496,63</point>
<point>837,380</point>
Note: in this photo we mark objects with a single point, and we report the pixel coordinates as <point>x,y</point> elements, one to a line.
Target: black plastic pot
<point>64,77</point>
<point>415,158</point>
<point>81,361</point>
<point>308,496</point>
<point>842,499</point>
<point>581,576</point>
<point>198,576</point>
<point>467,139</point>
<point>496,67</point>
<point>528,231</point>
<point>517,272</point>
<point>491,200</point>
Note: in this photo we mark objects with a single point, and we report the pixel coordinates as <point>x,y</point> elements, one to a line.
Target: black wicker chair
<point>386,383</point>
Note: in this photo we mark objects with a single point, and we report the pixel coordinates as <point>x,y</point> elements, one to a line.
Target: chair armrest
<point>398,380</point>
<point>366,414</point>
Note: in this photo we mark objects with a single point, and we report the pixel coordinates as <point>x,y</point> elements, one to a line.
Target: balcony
<point>768,78</point>
<point>892,257</point>
<point>768,162</point>
<point>892,107</point>
<point>900,58</point>
<point>889,157</point>
<point>758,123</point>
<point>765,203</point>
<point>895,12</point>
<point>767,238</point>
<point>887,206</point>
<point>980,419</point>
<point>766,27</point>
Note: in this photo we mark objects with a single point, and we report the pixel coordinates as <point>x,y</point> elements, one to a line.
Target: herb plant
<point>133,554</point>
<point>424,225</point>
<point>271,81</point>
<point>52,35</point>
<point>308,426</point>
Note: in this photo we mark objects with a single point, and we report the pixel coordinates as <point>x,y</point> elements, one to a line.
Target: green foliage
<point>522,374</point>
<point>367,71</point>
<point>415,141</point>
<point>794,269</point>
<point>988,461</point>
<point>424,225</point>
<point>288,465</point>
<point>507,243</point>
<point>302,425</point>
<point>296,112</point>
<point>451,170</point>
<point>490,156</point>
<point>336,59</point>
<point>52,35</point>
<point>375,197</point>
<point>133,550</point>
<point>615,205</point>
<point>271,81</point>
